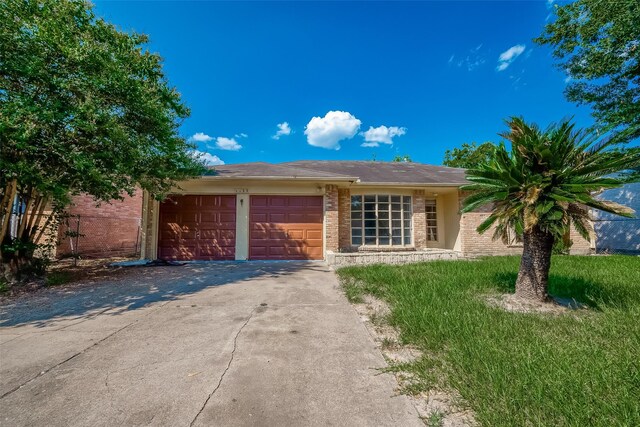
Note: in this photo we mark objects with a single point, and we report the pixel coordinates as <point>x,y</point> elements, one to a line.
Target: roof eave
<point>410,184</point>
<point>282,178</point>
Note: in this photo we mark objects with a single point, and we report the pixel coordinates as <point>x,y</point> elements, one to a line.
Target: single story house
<point>345,212</point>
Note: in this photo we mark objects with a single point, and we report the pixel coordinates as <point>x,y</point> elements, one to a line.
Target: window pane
<point>356,231</point>
<point>383,232</point>
<point>370,207</point>
<point>407,240</point>
<point>396,223</point>
<point>383,199</point>
<point>383,223</point>
<point>383,207</point>
<point>369,240</point>
<point>383,214</point>
<point>383,240</point>
<point>396,207</point>
<point>396,240</point>
<point>370,223</point>
<point>370,232</point>
<point>356,223</point>
<point>407,223</point>
<point>396,215</point>
<point>396,231</point>
<point>406,200</point>
<point>356,240</point>
<point>407,215</point>
<point>369,215</point>
<point>356,214</point>
<point>356,202</point>
<point>395,199</point>
<point>370,198</point>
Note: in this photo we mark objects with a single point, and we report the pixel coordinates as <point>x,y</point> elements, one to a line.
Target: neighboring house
<point>105,229</point>
<point>615,234</point>
<point>342,211</point>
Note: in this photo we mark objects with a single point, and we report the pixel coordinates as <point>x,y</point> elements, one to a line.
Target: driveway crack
<point>233,352</point>
<point>18,387</point>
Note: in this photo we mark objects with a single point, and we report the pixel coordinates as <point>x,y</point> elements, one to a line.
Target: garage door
<point>197,228</point>
<point>285,227</point>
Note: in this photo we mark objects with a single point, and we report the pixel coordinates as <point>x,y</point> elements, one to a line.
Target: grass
<point>57,278</point>
<point>575,369</point>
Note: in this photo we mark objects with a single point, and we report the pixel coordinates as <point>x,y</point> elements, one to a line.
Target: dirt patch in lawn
<point>65,274</point>
<point>435,407</point>
<point>556,306</point>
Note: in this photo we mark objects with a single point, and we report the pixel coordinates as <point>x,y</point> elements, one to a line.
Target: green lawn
<point>516,369</point>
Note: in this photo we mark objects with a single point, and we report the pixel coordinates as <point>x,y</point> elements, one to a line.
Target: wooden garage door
<point>285,227</point>
<point>197,228</point>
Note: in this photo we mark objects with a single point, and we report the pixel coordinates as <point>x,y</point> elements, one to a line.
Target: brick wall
<point>331,218</point>
<point>475,244</point>
<point>344,218</point>
<point>107,230</point>
<point>419,220</point>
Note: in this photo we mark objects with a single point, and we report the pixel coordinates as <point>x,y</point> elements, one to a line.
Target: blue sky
<point>350,80</point>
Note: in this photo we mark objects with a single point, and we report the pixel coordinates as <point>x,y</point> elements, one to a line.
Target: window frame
<point>431,219</point>
<point>405,218</point>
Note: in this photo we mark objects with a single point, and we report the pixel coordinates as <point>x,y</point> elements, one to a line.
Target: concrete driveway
<point>216,344</point>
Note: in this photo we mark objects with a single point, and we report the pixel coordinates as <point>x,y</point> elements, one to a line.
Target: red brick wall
<point>107,230</point>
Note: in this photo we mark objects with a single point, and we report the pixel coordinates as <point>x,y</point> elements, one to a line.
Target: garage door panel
<point>277,217</point>
<point>197,228</point>
<point>314,235</point>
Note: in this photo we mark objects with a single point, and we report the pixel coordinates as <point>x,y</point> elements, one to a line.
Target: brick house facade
<point>385,212</point>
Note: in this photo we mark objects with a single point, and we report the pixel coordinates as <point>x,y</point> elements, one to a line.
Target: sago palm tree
<point>544,184</point>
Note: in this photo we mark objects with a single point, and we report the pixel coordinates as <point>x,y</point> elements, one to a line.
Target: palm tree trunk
<point>533,277</point>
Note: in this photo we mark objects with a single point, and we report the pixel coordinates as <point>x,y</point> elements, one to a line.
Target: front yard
<point>573,369</point>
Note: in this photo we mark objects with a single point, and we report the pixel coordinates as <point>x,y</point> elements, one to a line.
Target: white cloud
<point>283,130</point>
<point>240,135</point>
<point>381,135</point>
<point>229,144</point>
<point>328,131</point>
<point>200,137</point>
<point>208,158</point>
<point>509,55</point>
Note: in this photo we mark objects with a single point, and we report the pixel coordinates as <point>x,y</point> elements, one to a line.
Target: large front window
<point>380,220</point>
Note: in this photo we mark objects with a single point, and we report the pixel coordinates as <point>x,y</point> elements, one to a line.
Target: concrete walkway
<point>216,344</point>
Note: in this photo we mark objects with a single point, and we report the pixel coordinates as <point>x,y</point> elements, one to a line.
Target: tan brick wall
<point>580,245</point>
<point>108,229</point>
<point>475,244</point>
<point>331,218</point>
<point>344,218</point>
<point>419,220</point>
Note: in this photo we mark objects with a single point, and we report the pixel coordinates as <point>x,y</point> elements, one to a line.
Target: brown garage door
<point>285,227</point>
<point>197,228</point>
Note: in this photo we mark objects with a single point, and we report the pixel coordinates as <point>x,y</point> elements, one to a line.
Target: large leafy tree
<point>598,44</point>
<point>83,108</point>
<point>545,183</point>
<point>468,155</point>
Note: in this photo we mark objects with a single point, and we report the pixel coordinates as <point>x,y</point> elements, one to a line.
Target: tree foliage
<point>598,44</point>
<point>468,155</point>
<point>83,108</point>
<point>546,182</point>
<point>402,159</point>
